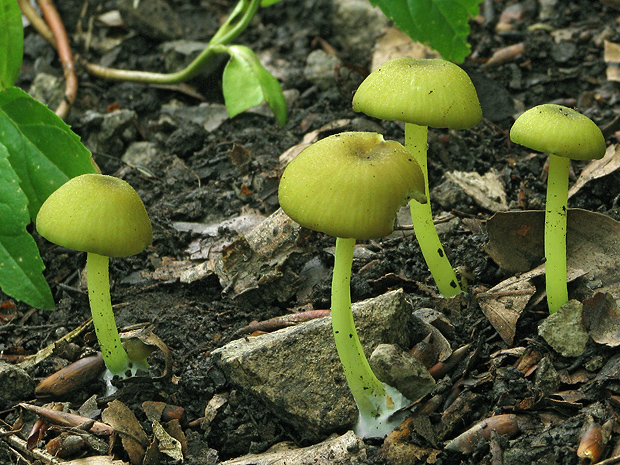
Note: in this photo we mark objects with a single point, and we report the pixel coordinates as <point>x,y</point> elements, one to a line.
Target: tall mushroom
<point>350,186</point>
<point>103,216</point>
<point>422,93</point>
<point>564,134</point>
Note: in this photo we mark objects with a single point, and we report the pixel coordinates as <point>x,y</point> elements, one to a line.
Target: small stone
<point>153,18</point>
<point>320,69</point>
<point>401,370</point>
<point>140,154</point>
<point>15,383</point>
<point>564,330</point>
<point>547,378</point>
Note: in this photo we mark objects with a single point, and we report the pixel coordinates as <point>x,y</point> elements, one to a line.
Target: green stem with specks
<point>114,356</point>
<point>555,232</point>
<point>422,217</point>
<point>368,392</point>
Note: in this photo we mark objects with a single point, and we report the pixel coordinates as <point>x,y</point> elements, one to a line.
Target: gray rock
<point>564,330</point>
<point>547,377</point>
<point>356,26</point>
<point>47,89</point>
<point>140,154</point>
<point>401,370</point>
<point>117,128</point>
<point>15,383</point>
<point>297,373</point>
<point>208,115</point>
<point>320,69</point>
<point>180,53</point>
<point>153,18</point>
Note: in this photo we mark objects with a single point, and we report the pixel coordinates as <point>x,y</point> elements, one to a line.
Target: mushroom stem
<point>555,232</point>
<point>114,356</point>
<point>369,393</point>
<point>422,217</point>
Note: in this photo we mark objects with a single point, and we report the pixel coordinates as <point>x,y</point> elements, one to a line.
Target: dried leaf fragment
<point>134,439</point>
<point>167,444</point>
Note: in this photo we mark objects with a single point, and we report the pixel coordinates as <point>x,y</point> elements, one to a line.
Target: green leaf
<point>21,268</point>
<point>265,3</point>
<point>11,42</point>
<point>442,24</point>
<point>246,84</point>
<point>43,150</point>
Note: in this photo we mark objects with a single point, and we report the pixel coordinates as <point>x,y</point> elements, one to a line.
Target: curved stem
<point>196,66</point>
<point>236,23</point>
<point>50,13</point>
<point>422,218</point>
<point>114,355</point>
<point>368,391</point>
<point>555,232</point>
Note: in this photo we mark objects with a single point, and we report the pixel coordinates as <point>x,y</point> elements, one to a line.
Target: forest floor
<point>204,185</point>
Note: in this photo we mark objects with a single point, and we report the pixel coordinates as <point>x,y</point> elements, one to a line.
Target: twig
<point>50,13</point>
<point>22,446</point>
<point>37,22</point>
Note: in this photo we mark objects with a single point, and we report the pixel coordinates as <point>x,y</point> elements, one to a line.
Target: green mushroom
<point>351,186</point>
<point>105,217</point>
<point>564,134</point>
<point>422,93</point>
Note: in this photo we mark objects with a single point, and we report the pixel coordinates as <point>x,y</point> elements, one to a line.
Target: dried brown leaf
<point>597,169</point>
<point>134,439</point>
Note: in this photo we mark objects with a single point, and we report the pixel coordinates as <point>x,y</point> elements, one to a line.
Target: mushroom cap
<point>98,214</point>
<point>350,185</point>
<point>560,131</point>
<point>427,92</point>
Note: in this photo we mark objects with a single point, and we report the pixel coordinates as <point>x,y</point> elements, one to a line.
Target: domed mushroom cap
<point>560,131</point>
<point>350,185</point>
<point>426,92</point>
<point>96,213</point>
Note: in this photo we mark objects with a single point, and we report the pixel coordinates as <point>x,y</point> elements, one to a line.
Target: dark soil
<point>197,179</point>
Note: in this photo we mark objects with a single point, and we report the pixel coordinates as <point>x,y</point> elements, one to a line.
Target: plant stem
<point>114,355</point>
<point>555,232</point>
<point>369,393</point>
<point>232,27</point>
<point>422,217</point>
<point>57,27</point>
<point>236,23</point>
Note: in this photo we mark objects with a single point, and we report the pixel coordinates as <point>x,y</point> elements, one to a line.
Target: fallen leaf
<point>488,190</point>
<point>134,439</point>
<point>395,44</point>
<point>310,138</point>
<point>601,317</point>
<point>612,58</point>
<point>516,244</point>
<point>167,444</point>
<point>597,169</point>
<point>504,303</point>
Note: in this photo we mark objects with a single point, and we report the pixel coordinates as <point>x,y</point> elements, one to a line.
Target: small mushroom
<point>351,185</point>
<point>103,216</point>
<point>563,133</point>
<point>422,93</point>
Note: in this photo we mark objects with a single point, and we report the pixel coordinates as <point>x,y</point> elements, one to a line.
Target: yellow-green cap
<point>350,185</point>
<point>427,92</point>
<point>98,214</point>
<point>560,131</point>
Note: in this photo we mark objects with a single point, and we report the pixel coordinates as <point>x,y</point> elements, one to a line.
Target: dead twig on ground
<point>52,18</point>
